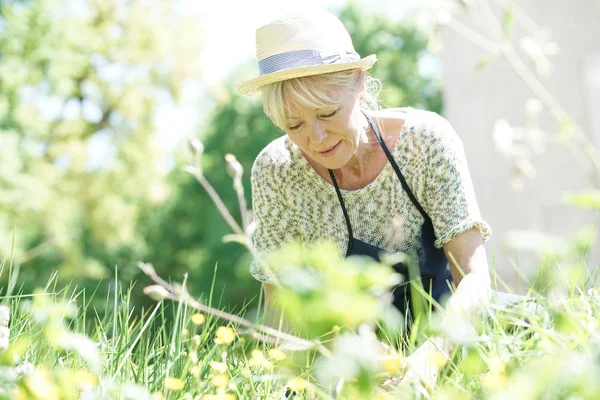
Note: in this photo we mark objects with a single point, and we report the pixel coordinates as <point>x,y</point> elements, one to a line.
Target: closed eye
<point>330,115</point>
<point>293,128</point>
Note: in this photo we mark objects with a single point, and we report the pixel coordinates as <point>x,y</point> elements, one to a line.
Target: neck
<point>356,168</point>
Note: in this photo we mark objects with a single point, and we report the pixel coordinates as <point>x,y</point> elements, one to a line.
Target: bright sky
<point>230,25</point>
<point>229,28</point>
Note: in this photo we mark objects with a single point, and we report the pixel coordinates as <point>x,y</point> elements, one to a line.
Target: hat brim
<point>253,86</point>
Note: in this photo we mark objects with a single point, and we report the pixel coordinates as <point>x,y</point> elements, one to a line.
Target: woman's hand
<point>424,365</point>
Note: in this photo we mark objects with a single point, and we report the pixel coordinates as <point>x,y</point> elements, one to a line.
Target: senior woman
<point>349,172</point>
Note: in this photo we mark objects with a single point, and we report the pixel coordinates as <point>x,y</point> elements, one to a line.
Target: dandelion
<point>276,354</point>
<point>258,360</point>
<point>195,371</point>
<point>218,366</point>
<point>174,384</point>
<point>198,319</point>
<point>220,380</point>
<point>297,384</point>
<point>225,335</point>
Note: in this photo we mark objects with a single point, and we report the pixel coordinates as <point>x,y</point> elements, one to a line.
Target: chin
<point>332,163</point>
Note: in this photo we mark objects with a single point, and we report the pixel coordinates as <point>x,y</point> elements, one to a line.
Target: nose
<point>317,134</point>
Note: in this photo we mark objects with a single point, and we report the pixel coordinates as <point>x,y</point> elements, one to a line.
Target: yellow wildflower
<point>18,394</point>
<point>497,366</point>
<point>437,358</point>
<point>393,365</point>
<point>40,384</point>
<point>196,339</point>
<point>85,379</point>
<point>276,354</point>
<point>220,396</point>
<point>218,366</point>
<point>198,319</point>
<point>174,384</point>
<point>297,384</point>
<point>225,335</point>
<point>258,359</point>
<point>195,371</point>
<point>220,380</point>
<point>493,382</point>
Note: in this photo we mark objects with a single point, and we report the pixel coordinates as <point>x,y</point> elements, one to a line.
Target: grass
<point>61,348</point>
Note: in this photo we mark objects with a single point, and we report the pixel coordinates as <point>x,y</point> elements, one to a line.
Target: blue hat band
<point>303,58</point>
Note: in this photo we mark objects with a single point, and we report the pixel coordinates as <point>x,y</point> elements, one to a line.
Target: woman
<point>349,172</point>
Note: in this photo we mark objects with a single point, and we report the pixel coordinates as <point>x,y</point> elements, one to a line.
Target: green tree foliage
<point>400,48</point>
<point>187,234</point>
<point>80,166</point>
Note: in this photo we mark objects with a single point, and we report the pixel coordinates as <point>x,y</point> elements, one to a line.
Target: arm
<point>470,273</point>
<point>468,264</point>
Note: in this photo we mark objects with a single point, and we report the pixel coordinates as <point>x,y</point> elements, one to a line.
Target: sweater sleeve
<point>447,193</point>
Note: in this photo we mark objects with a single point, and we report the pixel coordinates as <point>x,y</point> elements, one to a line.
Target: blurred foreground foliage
<point>545,349</point>
<point>85,187</point>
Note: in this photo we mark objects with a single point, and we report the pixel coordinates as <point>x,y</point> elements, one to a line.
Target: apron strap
<point>341,199</point>
<point>409,192</point>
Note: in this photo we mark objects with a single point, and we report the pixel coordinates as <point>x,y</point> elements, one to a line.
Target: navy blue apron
<point>434,270</point>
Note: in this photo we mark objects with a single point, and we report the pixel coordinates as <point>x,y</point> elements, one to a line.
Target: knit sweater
<point>292,202</point>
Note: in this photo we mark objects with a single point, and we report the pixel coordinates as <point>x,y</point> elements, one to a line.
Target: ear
<point>362,87</point>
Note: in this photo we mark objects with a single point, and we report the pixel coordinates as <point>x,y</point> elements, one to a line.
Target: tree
<point>80,83</point>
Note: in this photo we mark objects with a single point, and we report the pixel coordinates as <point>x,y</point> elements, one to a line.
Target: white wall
<point>475,99</point>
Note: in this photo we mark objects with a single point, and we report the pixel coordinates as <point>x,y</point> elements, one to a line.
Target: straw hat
<point>302,44</point>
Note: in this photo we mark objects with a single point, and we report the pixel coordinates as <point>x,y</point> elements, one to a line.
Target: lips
<point>330,149</point>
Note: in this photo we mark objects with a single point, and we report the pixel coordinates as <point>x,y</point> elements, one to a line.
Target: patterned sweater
<point>292,202</point>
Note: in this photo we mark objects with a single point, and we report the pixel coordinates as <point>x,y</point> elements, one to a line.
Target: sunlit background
<point>98,100</point>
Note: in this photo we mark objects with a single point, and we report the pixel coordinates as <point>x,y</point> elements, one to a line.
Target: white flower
<point>533,107</point>
<point>503,136</point>
<point>24,369</point>
<point>538,49</point>
<point>4,337</point>
<point>4,315</point>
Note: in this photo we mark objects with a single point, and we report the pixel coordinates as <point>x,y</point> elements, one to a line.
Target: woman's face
<point>330,135</point>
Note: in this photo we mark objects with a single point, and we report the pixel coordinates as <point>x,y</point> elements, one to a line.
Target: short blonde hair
<point>315,92</point>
